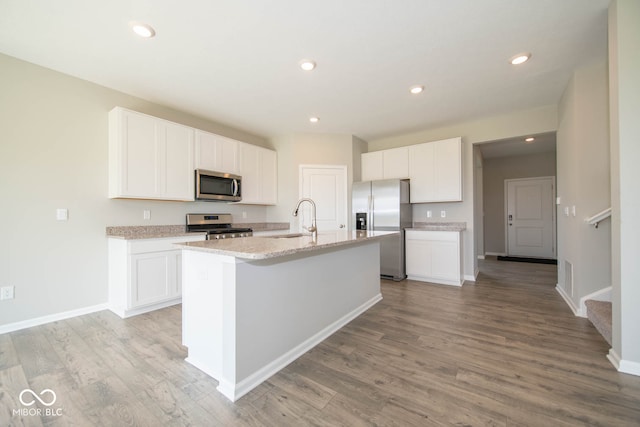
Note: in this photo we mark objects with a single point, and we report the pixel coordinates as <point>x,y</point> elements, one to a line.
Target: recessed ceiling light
<point>521,58</point>
<point>416,89</point>
<point>307,64</point>
<point>529,140</point>
<point>143,30</point>
<point>314,119</point>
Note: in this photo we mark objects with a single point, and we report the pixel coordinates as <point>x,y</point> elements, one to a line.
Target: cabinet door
<point>175,289</point>
<point>372,166</point>
<point>445,260</point>
<point>258,168</point>
<point>152,277</point>
<point>448,170</point>
<point>421,160</point>
<point>435,170</point>
<point>177,168</point>
<point>395,163</point>
<point>216,153</point>
<point>418,258</point>
<point>269,181</point>
<point>149,158</point>
<point>250,172</point>
<point>133,155</point>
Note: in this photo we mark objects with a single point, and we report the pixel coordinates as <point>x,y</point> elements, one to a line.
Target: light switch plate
<point>429,214</point>
<point>146,214</point>
<point>6,292</point>
<point>62,214</point>
<point>443,214</point>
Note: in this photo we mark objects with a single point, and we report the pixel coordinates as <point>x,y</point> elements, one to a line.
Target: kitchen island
<point>250,306</point>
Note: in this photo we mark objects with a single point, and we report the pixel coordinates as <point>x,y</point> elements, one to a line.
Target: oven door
<point>217,186</point>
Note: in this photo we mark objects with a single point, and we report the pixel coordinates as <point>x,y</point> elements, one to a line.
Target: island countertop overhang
<point>269,247</point>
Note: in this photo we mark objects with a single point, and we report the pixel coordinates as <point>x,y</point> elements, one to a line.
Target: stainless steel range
<point>217,226</point>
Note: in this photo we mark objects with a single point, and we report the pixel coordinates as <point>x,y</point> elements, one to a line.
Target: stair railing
<point>595,219</point>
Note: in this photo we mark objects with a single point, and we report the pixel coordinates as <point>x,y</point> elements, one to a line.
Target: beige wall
<point>539,120</point>
<point>53,154</point>
<point>495,171</point>
<point>624,88</point>
<point>583,181</point>
<point>310,149</point>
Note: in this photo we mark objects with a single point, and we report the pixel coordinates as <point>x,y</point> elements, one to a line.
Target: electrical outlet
<point>443,214</point>
<point>6,292</point>
<point>146,214</point>
<point>429,214</point>
<point>244,215</point>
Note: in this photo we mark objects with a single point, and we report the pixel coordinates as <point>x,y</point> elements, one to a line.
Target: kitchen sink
<point>288,236</point>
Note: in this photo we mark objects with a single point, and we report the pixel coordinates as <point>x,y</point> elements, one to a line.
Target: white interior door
<point>530,217</point>
<point>327,187</point>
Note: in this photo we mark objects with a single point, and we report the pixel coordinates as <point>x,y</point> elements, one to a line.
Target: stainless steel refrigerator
<point>384,206</point>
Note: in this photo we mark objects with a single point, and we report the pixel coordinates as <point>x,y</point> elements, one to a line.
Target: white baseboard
<point>624,366</point>
<point>567,299</point>
<point>629,367</point>
<point>495,253</point>
<point>235,391</point>
<point>147,308</point>
<point>470,277</point>
<point>480,256</point>
<point>11,327</point>
<point>437,281</point>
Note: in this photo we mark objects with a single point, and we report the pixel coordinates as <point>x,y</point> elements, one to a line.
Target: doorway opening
<point>498,161</point>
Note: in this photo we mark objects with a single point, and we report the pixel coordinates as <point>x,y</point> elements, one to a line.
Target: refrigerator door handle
<point>371,218</point>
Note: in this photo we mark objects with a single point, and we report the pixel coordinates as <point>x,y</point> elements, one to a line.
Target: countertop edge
<point>438,226</point>
<point>279,253</point>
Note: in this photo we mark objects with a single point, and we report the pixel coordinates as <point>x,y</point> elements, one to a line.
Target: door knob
<point>341,225</point>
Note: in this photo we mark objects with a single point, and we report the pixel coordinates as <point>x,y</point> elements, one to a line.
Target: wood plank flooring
<point>505,351</point>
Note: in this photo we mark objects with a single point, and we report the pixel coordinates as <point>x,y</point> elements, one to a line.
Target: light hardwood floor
<point>503,351</point>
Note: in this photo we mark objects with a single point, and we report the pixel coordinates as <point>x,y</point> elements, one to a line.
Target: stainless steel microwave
<point>218,186</point>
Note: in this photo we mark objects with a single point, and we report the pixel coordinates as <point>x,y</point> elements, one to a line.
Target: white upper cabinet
<point>395,163</point>
<point>372,166</point>
<point>216,153</point>
<point>385,164</point>
<point>435,170</point>
<point>149,158</point>
<point>259,171</point>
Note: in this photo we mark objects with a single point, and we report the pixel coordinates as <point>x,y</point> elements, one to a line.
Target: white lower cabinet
<point>434,256</point>
<point>145,274</point>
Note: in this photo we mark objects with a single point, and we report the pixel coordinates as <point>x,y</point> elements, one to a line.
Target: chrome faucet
<point>313,229</point>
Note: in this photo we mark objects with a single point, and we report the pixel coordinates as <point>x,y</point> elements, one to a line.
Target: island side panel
<point>288,305</point>
<point>208,313</point>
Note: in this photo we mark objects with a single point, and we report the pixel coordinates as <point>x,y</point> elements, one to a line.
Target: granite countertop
<point>132,232</point>
<point>148,232</point>
<point>439,226</point>
<point>267,247</point>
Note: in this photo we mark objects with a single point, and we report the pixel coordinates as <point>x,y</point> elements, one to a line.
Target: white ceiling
<point>236,62</point>
<point>543,143</point>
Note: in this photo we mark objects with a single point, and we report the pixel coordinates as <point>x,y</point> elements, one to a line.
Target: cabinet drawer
<point>441,236</point>
<point>161,244</point>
